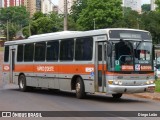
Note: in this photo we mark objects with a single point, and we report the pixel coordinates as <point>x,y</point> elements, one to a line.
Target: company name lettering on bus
<point>6,68</point>
<point>89,69</point>
<point>45,68</point>
<point>127,67</point>
<point>146,68</point>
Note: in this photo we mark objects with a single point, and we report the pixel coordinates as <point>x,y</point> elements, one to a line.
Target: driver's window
<point>123,53</point>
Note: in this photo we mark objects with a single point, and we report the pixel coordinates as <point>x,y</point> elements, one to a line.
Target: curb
<point>149,96</point>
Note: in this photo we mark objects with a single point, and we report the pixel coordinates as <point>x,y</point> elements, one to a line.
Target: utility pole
<point>7,31</point>
<point>65,14</point>
<point>94,23</point>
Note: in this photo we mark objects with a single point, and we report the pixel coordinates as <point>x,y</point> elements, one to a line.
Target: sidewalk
<point>153,96</point>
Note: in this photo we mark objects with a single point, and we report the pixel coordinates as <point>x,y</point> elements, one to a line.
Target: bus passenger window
<point>40,50</point>
<point>52,51</point>
<point>28,52</point>
<point>66,49</point>
<point>6,54</point>
<point>84,48</point>
<point>20,53</point>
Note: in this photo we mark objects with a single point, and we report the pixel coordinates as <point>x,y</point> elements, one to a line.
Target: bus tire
<point>80,91</point>
<point>22,83</point>
<point>117,96</point>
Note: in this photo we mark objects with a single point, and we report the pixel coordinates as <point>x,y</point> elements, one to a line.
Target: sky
<point>143,2</point>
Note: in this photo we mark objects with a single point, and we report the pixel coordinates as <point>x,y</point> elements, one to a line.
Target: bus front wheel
<point>22,83</point>
<point>117,96</point>
<point>80,91</point>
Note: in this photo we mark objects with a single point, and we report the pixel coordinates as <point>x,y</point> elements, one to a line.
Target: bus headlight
<point>150,82</point>
<point>118,82</point>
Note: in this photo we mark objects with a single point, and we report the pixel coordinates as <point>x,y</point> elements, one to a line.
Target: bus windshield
<point>130,55</point>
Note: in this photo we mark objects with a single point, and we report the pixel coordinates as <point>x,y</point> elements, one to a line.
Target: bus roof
<point>66,35</point>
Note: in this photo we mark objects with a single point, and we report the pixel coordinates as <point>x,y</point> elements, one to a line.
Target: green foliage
<point>26,31</point>
<point>146,7</point>
<point>42,23</point>
<point>12,29</point>
<point>151,23</point>
<point>17,15</point>
<point>17,18</point>
<point>37,15</point>
<point>157,2</point>
<point>157,85</point>
<point>131,19</point>
<point>103,13</point>
<point>77,8</point>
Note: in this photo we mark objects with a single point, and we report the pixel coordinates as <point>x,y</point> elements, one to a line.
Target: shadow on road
<point>100,98</point>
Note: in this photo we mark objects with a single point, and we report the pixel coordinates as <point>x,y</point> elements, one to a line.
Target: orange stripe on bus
<point>41,68</point>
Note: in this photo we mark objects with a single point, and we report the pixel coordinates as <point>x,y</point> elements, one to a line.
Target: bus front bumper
<point>113,89</point>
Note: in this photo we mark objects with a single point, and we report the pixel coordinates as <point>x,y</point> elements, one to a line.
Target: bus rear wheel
<point>80,91</point>
<point>22,83</point>
<point>117,96</point>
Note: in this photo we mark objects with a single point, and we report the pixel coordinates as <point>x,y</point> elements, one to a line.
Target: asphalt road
<point>11,99</point>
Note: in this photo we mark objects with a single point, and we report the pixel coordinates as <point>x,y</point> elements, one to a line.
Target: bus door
<point>100,67</point>
<point>12,64</point>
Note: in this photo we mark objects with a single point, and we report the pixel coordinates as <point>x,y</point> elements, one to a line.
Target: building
<point>47,6</point>
<point>133,4</point>
<point>8,3</point>
<point>1,3</point>
<point>153,5</point>
<point>62,3</point>
<point>30,6</point>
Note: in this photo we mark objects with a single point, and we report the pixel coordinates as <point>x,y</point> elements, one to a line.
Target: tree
<point>146,7</point>
<point>130,19</point>
<point>101,12</point>
<point>77,8</point>
<point>152,24</point>
<point>38,15</point>
<point>17,17</point>
<point>44,23</point>
<point>12,30</point>
<point>157,2</point>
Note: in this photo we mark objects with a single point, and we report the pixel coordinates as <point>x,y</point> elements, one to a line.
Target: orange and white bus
<point>105,61</point>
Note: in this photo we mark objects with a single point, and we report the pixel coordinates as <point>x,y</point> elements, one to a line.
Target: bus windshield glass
<point>129,55</point>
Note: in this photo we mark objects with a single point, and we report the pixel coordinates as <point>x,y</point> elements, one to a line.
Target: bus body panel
<point>59,74</point>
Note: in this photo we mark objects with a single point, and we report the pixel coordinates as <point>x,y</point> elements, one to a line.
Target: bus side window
<point>52,51</point>
<point>67,50</point>
<point>84,48</point>
<point>28,52</point>
<point>20,53</point>
<point>6,54</point>
<point>40,50</point>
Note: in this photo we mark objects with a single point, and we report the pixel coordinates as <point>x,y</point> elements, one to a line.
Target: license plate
<point>151,89</point>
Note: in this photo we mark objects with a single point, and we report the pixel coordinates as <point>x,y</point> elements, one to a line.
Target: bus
<point>105,61</point>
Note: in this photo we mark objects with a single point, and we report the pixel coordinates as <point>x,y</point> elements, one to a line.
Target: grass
<point>1,48</point>
<point>157,85</point>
